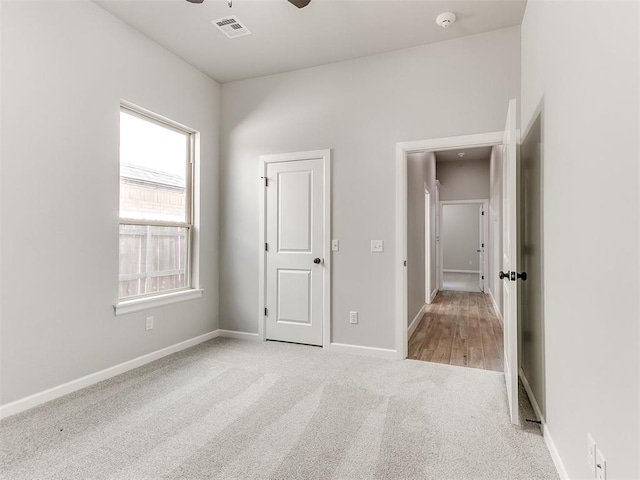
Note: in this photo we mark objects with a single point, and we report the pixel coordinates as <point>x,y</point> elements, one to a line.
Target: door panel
<point>294,296</point>
<point>295,238</point>
<point>294,211</point>
<point>509,261</point>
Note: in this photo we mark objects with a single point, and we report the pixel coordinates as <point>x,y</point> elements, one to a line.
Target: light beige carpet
<point>231,409</point>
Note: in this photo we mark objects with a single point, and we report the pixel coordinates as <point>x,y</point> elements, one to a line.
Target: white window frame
<point>192,290</point>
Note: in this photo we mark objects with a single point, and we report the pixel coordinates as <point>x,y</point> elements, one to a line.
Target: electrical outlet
<point>601,465</point>
<point>149,324</point>
<point>353,318</point>
<point>591,453</point>
<point>335,245</point>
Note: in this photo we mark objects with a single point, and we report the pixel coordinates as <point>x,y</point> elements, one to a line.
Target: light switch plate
<point>335,245</point>
<point>353,318</point>
<point>149,323</point>
<point>377,246</point>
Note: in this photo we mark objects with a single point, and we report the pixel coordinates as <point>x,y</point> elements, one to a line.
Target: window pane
<point>153,170</point>
<point>152,259</point>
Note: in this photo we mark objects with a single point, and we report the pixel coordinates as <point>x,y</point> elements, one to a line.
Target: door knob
<point>516,275</point>
<point>503,275</point>
<point>316,260</point>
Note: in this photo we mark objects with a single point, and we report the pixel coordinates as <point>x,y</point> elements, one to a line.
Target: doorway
<point>464,240</point>
<point>295,260</point>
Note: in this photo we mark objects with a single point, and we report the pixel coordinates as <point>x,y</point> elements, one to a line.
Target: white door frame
<point>485,237</point>
<point>325,156</point>
<point>402,150</point>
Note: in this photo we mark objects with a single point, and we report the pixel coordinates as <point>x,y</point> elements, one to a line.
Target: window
<point>156,224</point>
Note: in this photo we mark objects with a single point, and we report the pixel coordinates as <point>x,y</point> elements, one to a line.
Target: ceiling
<point>286,38</point>
<point>470,154</point>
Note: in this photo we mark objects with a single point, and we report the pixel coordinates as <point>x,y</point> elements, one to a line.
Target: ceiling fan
<point>297,3</point>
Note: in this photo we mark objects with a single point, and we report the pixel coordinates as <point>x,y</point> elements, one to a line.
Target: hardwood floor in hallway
<point>459,328</point>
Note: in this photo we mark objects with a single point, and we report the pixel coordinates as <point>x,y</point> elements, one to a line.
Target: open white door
<point>509,271</point>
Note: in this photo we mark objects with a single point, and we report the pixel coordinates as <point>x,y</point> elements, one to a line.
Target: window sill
<point>137,304</point>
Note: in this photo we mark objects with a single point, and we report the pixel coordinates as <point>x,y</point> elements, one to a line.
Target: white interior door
<point>295,249</point>
<point>427,247</point>
<point>509,261</point>
<point>481,247</point>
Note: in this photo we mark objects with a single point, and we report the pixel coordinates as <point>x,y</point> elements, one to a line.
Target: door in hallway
<point>509,272</point>
<point>295,250</point>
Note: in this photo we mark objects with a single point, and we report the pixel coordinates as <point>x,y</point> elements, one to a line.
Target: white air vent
<point>231,26</point>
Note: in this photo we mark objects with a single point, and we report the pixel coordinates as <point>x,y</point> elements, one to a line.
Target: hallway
<point>459,328</point>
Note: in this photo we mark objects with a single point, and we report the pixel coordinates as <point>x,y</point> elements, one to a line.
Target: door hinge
<point>483,245</point>
<point>266,247</point>
<point>483,213</point>
<point>405,263</point>
<point>482,277</point>
<point>266,181</point>
<point>265,311</point>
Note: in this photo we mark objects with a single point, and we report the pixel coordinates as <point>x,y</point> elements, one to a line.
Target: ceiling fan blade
<point>300,3</point>
<point>195,1</point>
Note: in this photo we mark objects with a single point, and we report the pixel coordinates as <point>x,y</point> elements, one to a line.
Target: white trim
<point>427,245</point>
<point>548,440</point>
<point>144,303</point>
<point>364,351</point>
<point>496,309</point>
<point>402,149</point>
<point>241,335</point>
<point>448,270</point>
<point>532,397</point>
<point>74,385</point>
<point>433,294</point>
<point>416,321</point>
<point>555,455</point>
<point>325,156</point>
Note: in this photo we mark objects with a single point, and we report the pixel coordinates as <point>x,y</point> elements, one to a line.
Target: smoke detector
<point>445,19</point>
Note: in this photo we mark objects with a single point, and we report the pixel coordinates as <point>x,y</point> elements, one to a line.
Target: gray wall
<point>460,237</point>
<point>65,67</point>
<point>495,226</point>
<point>464,179</point>
<point>532,298</point>
<point>582,73</point>
<point>421,172</point>
<point>359,109</point>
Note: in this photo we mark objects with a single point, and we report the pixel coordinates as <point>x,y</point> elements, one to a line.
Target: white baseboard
<point>236,334</point>
<point>555,455</point>
<point>364,351</point>
<point>495,307</point>
<point>548,440</point>
<point>416,321</point>
<point>449,270</point>
<point>532,397</point>
<point>74,385</point>
<point>433,295</point>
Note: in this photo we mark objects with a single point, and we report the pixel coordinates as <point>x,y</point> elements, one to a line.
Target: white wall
<point>460,237</point>
<point>582,74</point>
<point>463,179</point>
<point>65,67</point>
<point>495,225</point>
<point>421,172</point>
<point>360,109</point>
